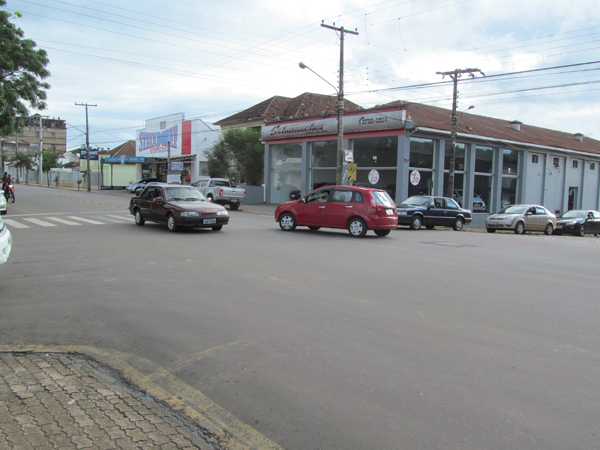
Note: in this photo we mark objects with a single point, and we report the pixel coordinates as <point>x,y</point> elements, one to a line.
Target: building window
<point>376,152</point>
<point>535,159</point>
<point>459,156</point>
<point>163,125</point>
<point>484,158</point>
<point>510,162</point>
<point>53,135</point>
<point>37,134</point>
<point>324,154</point>
<point>556,162</point>
<point>575,164</point>
<point>421,153</point>
<point>592,166</point>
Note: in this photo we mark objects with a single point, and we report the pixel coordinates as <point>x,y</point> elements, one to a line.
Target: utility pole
<point>455,75</point>
<point>339,176</point>
<point>88,178</point>
<point>40,169</point>
<point>168,160</point>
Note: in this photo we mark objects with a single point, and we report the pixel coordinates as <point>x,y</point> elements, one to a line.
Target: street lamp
<point>339,175</point>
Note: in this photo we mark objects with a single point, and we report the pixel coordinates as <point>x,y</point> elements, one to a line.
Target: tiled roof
<point>284,108</point>
<point>425,116</point>
<point>127,149</point>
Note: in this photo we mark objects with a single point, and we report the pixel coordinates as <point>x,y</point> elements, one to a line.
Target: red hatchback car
<point>358,209</point>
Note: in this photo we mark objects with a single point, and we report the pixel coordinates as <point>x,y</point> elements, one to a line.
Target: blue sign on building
<point>93,154</point>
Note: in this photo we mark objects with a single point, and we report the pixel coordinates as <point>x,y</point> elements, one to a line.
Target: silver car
<point>522,218</point>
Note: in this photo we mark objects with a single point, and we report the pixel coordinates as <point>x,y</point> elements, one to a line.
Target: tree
<point>49,162</point>
<point>239,155</point>
<point>22,69</point>
<point>24,161</point>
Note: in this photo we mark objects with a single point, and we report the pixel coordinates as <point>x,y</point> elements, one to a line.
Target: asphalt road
<point>419,340</point>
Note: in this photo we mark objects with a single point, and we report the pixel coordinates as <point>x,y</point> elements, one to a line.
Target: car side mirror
<point>303,200</point>
<point>529,213</point>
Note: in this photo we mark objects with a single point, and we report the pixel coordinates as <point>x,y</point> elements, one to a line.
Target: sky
<point>141,59</point>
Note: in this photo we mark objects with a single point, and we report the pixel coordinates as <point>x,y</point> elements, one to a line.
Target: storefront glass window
<point>510,162</point>
<point>387,180</point>
<point>376,152</point>
<point>483,190</point>
<point>324,154</point>
<point>459,160</point>
<point>509,191</point>
<point>484,158</point>
<point>421,153</point>
<point>425,186</point>
<point>287,171</point>
<point>322,177</point>
<point>458,187</point>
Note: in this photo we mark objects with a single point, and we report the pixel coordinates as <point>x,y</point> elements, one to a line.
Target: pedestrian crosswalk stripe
<point>39,222</point>
<point>122,218</point>
<point>86,220</point>
<point>66,222</point>
<point>14,223</point>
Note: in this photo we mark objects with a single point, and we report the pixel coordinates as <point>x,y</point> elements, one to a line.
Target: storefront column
<point>268,174</point>
<point>305,168</point>
<point>402,164</point>
<point>469,176</point>
<point>439,155</point>
<point>524,159</point>
<point>497,180</point>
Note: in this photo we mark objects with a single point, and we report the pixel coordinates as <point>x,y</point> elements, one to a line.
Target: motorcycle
<point>9,192</point>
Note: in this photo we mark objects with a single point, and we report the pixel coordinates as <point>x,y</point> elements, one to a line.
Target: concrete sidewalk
<point>69,401</point>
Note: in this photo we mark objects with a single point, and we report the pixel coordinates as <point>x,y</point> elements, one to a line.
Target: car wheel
<point>357,227</point>
<point>234,206</point>
<point>382,233</point>
<point>139,219</point>
<point>217,227</point>
<point>314,228</point>
<point>520,228</point>
<point>430,227</point>
<point>491,230</point>
<point>416,222</point>
<point>171,224</point>
<point>287,222</point>
<point>549,229</point>
<point>458,224</point>
<point>582,231</point>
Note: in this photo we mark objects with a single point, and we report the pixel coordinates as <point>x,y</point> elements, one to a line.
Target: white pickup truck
<point>221,191</point>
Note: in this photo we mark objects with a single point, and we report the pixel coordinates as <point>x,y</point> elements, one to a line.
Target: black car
<point>177,206</point>
<point>578,223</point>
<point>431,211</point>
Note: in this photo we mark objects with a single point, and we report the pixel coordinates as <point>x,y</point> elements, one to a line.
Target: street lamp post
<point>339,175</point>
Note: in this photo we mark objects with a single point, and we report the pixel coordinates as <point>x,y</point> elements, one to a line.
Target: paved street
<point>316,340</point>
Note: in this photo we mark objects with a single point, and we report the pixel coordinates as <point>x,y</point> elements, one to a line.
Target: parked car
<point>522,218</point>
<point>222,191</point>
<point>6,241</point>
<point>357,209</point>
<point>432,211</point>
<point>3,204</point>
<point>578,223</point>
<point>136,188</point>
<point>177,206</point>
<point>478,203</point>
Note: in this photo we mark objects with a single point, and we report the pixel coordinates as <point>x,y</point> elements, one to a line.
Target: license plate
<point>207,221</point>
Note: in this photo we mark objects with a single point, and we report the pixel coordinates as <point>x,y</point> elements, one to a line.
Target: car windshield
<point>416,201</point>
<point>383,198</point>
<point>575,214</point>
<point>180,193</point>
<point>514,209</point>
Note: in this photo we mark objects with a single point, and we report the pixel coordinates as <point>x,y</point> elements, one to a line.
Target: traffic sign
<point>351,172</point>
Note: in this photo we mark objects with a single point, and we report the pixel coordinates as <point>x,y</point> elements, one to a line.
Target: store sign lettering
<point>279,130</point>
<point>159,139</point>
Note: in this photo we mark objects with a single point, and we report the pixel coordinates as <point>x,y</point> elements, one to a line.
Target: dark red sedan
<point>357,209</point>
<point>177,206</point>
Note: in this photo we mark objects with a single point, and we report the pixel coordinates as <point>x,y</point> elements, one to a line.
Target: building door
<point>573,193</point>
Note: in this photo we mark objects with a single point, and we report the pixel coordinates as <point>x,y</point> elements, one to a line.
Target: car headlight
<point>190,214</point>
<point>222,212</point>
<point>570,224</point>
<point>401,213</point>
